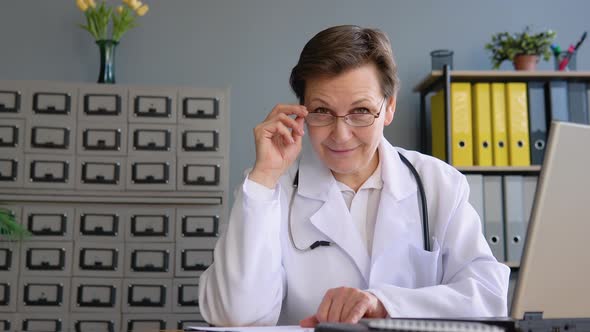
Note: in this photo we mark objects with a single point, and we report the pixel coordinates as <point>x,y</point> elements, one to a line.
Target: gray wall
<point>251,46</point>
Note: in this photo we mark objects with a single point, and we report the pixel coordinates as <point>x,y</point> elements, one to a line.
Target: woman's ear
<point>389,110</point>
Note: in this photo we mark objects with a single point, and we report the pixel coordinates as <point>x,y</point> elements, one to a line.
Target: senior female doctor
<point>332,229</point>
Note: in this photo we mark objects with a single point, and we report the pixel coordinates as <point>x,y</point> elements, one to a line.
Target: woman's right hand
<point>278,143</point>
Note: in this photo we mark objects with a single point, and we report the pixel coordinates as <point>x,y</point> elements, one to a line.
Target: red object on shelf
<point>566,60</point>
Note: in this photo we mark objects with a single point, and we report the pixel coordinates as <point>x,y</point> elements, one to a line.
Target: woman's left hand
<point>346,305</point>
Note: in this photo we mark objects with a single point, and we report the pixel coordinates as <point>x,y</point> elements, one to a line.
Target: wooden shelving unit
<point>441,79</point>
<point>492,170</point>
<point>497,76</point>
<point>512,265</point>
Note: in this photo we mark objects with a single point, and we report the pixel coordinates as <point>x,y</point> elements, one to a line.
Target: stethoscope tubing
<point>323,243</point>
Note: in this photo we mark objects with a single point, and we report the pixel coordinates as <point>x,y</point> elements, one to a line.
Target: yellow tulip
<point>91,3</point>
<point>134,4</point>
<point>82,5</point>
<point>120,10</point>
<point>126,2</point>
<point>142,10</point>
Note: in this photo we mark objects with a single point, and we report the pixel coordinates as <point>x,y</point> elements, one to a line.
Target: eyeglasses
<point>361,117</point>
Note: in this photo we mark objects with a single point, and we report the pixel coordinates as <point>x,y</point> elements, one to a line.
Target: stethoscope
<point>320,243</point>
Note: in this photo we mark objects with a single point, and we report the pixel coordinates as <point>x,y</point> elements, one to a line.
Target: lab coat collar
<point>332,218</point>
<point>397,178</point>
<point>398,222</point>
<point>373,182</point>
<point>335,222</point>
<point>316,180</point>
<point>396,225</point>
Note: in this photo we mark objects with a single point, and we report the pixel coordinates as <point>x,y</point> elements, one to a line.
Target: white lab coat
<point>258,278</point>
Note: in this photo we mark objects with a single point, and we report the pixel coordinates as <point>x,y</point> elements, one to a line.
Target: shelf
<point>499,76</point>
<point>512,265</point>
<point>50,195</point>
<point>500,169</point>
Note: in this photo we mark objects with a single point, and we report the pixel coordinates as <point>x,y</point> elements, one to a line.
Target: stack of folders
<point>504,204</point>
<point>504,124</point>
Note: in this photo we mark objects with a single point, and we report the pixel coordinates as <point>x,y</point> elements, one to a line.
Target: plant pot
<point>525,62</point>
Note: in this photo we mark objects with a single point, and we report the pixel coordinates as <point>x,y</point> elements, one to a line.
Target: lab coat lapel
<point>398,219</point>
<point>332,218</point>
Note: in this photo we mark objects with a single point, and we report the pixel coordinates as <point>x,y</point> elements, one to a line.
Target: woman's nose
<point>341,132</point>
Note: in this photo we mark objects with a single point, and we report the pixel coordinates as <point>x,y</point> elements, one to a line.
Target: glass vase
<point>107,60</point>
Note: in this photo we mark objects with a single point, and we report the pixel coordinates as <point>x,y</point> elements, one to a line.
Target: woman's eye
<point>321,110</point>
<point>361,111</point>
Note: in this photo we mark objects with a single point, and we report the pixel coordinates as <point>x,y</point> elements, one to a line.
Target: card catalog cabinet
<point>124,190</point>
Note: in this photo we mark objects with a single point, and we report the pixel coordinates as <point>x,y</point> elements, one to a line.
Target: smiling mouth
<point>340,150</point>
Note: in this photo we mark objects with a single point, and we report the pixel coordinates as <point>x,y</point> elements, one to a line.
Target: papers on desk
<point>290,328</point>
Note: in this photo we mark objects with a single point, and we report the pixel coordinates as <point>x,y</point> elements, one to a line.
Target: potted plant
<point>524,49</point>
<point>10,229</point>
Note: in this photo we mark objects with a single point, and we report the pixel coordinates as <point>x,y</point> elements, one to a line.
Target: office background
<point>252,45</point>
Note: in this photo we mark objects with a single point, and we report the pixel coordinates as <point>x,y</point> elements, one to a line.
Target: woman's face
<point>348,150</point>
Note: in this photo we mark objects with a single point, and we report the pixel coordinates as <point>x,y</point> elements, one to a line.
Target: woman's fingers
<point>310,321</point>
<point>330,309</point>
<point>348,307</point>
<point>284,113</point>
<point>300,121</point>
<point>287,109</point>
<point>275,129</point>
<point>346,304</point>
<point>335,314</point>
<point>284,126</point>
<point>324,308</point>
<point>278,143</point>
<point>297,126</point>
<point>357,311</point>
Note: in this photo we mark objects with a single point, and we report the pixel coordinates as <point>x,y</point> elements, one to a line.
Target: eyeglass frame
<point>344,117</point>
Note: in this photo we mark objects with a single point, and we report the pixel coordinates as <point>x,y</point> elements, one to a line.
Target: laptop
<point>553,289</point>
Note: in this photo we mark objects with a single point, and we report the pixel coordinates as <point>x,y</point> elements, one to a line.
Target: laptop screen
<point>555,268</point>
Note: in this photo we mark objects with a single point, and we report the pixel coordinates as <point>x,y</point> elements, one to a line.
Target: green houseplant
<point>522,48</point>
<point>10,229</point>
